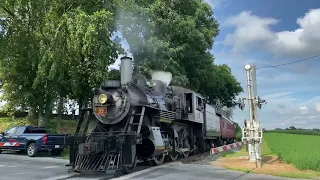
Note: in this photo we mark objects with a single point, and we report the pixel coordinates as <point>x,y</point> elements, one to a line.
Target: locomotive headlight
<point>102,98</point>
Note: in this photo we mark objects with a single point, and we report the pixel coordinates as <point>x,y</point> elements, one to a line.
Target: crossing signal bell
<point>240,103</point>
<point>259,101</point>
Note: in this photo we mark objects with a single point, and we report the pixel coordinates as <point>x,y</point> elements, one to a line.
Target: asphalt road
<point>22,167</point>
<point>198,172</point>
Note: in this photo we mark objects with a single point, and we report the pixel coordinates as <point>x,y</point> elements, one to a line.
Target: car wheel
<point>32,150</point>
<point>0,151</point>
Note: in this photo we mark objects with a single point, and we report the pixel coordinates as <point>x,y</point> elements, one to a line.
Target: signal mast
<point>252,133</point>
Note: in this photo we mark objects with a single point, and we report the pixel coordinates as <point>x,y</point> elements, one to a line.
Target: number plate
<point>56,146</point>
<point>101,111</point>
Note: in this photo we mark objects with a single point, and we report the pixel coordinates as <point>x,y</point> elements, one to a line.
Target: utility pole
<point>252,131</point>
<point>255,114</point>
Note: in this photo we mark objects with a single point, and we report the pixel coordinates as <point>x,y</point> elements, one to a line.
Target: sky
<point>271,32</point>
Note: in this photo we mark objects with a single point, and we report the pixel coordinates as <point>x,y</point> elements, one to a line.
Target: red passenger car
<point>227,130</point>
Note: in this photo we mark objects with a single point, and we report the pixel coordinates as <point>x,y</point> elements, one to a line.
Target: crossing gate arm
<point>220,149</point>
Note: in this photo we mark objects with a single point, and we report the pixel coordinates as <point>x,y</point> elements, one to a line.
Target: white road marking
<point>2,165</point>
<point>61,177</point>
<point>12,166</point>
<point>19,173</point>
<point>50,167</point>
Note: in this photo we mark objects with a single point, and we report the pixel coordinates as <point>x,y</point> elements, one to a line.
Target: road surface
<point>22,167</point>
<point>19,166</point>
<point>198,172</point>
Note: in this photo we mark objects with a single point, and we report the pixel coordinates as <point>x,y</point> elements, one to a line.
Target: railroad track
<point>197,159</point>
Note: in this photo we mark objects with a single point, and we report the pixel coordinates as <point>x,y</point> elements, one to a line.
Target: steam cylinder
<point>126,70</point>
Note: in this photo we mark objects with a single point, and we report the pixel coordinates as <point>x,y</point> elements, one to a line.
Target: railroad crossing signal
<point>252,132</point>
<point>240,103</point>
<point>258,102</point>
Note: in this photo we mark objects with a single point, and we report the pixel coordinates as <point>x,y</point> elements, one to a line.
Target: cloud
<point>252,31</point>
<point>318,107</point>
<point>214,3</point>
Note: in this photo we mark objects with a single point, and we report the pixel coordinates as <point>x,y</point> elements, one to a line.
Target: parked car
<point>31,139</point>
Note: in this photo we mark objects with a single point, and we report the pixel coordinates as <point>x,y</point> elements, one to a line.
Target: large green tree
<point>54,49</point>
<point>177,36</point>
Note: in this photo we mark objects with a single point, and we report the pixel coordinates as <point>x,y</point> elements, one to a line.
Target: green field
<point>303,151</point>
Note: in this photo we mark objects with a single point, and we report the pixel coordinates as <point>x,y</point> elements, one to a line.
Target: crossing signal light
<point>259,101</point>
<point>240,103</point>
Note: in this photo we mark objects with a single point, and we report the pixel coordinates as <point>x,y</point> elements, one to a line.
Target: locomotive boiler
<point>141,121</point>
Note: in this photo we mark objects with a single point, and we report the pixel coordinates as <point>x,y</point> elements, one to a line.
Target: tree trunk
<point>44,112</point>
<point>31,114</point>
<point>60,111</point>
<point>41,121</point>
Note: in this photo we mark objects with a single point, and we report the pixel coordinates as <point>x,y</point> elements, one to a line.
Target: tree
<point>239,131</point>
<point>59,48</point>
<point>176,36</point>
<point>292,128</point>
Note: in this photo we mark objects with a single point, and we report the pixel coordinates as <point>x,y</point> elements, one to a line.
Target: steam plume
<point>163,76</point>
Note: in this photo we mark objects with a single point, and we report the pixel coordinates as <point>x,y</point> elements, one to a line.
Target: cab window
<point>20,130</point>
<point>200,106</point>
<point>11,131</point>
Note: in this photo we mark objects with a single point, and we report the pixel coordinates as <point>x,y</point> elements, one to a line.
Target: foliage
<point>239,132</point>
<point>298,149</point>
<point>176,36</point>
<point>54,49</point>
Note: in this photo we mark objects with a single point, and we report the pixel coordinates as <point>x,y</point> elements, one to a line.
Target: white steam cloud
<point>163,76</point>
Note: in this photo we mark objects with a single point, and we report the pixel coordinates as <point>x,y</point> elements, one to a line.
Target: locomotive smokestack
<point>126,70</point>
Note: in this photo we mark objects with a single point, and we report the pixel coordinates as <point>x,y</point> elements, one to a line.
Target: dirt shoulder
<point>271,164</point>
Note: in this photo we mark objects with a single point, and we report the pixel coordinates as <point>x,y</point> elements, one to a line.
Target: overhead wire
<point>271,66</point>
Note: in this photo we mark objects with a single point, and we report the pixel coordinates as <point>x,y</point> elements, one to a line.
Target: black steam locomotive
<point>137,121</point>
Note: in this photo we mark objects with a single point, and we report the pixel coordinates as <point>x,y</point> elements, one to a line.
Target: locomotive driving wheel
<point>157,160</point>
<point>185,144</point>
<point>129,169</point>
<point>173,155</point>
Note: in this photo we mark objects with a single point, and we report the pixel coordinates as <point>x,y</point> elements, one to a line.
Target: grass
<point>300,150</point>
<point>297,131</point>
<point>243,152</point>
<point>297,175</point>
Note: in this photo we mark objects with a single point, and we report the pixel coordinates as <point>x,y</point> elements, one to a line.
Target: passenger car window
<point>20,130</point>
<point>11,131</point>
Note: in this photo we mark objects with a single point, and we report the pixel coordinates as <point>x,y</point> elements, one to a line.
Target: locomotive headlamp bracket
<point>96,91</point>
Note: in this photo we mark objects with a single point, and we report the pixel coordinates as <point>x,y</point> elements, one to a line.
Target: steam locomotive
<point>137,121</point>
